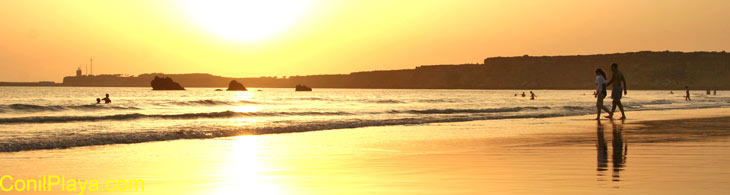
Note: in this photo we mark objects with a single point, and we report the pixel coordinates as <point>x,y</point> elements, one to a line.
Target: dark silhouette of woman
<point>600,92</point>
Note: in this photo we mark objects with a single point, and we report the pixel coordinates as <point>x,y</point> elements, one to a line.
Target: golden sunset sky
<point>46,40</point>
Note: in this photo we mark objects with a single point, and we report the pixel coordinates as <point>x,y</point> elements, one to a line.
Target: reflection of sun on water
<point>242,96</point>
<point>244,172</point>
<point>246,96</point>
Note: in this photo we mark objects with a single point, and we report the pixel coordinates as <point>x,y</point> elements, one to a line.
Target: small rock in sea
<point>302,88</point>
<point>236,86</point>
<point>165,83</point>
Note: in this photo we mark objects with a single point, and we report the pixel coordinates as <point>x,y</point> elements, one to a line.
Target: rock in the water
<point>303,88</point>
<point>236,86</point>
<point>165,83</point>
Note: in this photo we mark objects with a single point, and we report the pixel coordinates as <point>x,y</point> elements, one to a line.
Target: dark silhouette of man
<point>686,97</point>
<point>619,84</point>
<point>107,100</point>
<point>532,96</point>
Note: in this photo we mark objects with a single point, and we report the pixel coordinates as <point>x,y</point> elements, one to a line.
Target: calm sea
<point>61,117</point>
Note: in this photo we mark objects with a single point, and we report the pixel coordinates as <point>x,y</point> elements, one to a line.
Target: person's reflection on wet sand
<point>619,149</point>
<point>602,152</point>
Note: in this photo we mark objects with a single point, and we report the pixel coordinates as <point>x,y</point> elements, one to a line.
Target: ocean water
<point>61,117</point>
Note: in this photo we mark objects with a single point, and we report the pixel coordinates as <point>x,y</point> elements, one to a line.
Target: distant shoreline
<point>32,84</point>
<point>645,70</point>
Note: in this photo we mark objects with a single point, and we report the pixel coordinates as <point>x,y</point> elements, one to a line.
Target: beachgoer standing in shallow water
<point>619,84</point>
<point>107,100</point>
<point>686,97</point>
<point>532,95</point>
<point>600,92</point>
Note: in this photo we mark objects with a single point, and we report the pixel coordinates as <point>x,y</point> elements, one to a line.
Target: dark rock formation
<point>303,88</point>
<point>165,83</point>
<point>236,86</point>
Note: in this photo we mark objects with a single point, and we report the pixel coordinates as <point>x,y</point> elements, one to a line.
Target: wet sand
<point>667,152</point>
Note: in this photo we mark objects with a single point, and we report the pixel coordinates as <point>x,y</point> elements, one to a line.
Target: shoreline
<point>109,139</point>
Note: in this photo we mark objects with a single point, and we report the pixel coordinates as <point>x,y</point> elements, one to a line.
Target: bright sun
<point>246,20</point>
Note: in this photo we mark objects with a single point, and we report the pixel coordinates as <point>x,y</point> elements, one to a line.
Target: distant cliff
<point>643,70</point>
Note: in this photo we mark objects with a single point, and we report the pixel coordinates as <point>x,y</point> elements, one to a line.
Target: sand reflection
<point>244,171</point>
<point>619,150</point>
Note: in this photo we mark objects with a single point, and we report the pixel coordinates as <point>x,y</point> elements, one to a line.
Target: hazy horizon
<point>46,40</point>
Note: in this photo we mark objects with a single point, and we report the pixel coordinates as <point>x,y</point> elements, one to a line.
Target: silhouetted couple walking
<point>618,83</point>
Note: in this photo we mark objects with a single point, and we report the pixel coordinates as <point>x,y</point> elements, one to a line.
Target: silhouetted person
<point>600,92</point>
<point>532,95</point>
<point>523,94</point>
<point>619,84</point>
<point>107,100</point>
<point>671,92</point>
<point>98,101</point>
<point>686,97</point>
<point>714,92</point>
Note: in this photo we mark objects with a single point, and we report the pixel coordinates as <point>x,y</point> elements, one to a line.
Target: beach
<point>659,152</point>
<point>364,97</point>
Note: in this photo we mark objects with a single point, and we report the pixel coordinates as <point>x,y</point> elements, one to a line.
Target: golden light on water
<point>244,173</point>
<point>242,96</point>
<point>246,96</point>
<point>246,20</point>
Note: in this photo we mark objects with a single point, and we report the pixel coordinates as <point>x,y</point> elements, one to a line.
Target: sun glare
<point>246,20</point>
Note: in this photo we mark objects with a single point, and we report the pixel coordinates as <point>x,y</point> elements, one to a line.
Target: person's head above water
<point>98,100</point>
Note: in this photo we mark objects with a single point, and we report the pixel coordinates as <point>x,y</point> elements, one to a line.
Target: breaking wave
<point>39,108</point>
<point>69,140</point>
<point>386,101</point>
<point>212,102</point>
<point>468,111</point>
<point>134,116</point>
